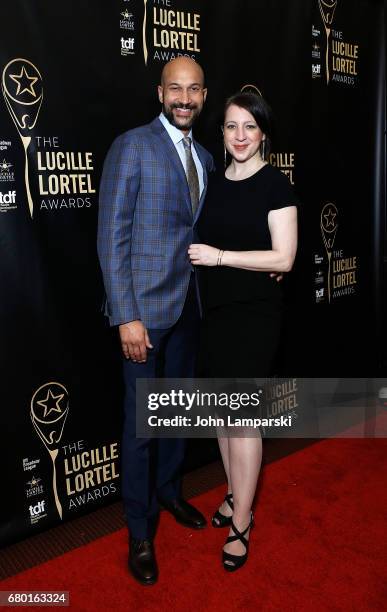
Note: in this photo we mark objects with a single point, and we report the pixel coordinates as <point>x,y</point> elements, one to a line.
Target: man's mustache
<point>184,106</point>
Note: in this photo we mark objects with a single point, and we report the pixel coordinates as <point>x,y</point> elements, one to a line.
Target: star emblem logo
<point>330,218</point>
<point>25,83</point>
<point>34,481</point>
<point>4,165</point>
<point>49,405</point>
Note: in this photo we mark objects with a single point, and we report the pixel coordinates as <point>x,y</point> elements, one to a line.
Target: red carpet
<point>319,544</point>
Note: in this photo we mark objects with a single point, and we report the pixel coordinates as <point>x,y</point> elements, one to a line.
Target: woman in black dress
<point>248,228</point>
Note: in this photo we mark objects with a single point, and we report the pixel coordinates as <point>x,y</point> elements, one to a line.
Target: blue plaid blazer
<point>145,226</point>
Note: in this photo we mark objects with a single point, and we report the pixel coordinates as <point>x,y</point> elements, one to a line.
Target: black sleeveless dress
<point>242,310</point>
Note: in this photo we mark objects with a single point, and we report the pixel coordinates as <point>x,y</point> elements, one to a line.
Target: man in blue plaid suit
<point>152,190</point>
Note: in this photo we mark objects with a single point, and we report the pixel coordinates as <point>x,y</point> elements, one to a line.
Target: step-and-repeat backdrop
<point>74,75</point>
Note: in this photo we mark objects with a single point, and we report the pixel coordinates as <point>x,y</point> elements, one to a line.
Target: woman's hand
<point>277,275</point>
<point>203,255</point>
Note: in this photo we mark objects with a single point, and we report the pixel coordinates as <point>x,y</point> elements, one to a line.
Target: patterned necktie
<point>192,175</point>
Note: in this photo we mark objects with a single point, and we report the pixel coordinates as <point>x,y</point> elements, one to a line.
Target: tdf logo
<point>127,46</point>
<point>8,198</point>
<point>316,71</point>
<point>37,509</point>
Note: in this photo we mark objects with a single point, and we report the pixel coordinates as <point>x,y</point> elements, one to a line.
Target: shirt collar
<point>175,134</point>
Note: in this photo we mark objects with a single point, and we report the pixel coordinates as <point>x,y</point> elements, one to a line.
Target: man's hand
<point>134,341</point>
<point>277,275</point>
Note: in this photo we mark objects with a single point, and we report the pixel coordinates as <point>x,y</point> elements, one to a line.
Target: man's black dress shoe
<point>142,561</point>
<point>184,513</point>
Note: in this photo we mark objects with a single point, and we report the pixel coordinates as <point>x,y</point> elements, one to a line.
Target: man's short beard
<point>169,115</point>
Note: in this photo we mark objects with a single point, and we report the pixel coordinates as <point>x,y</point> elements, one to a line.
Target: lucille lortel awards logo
<point>49,410</point>
<point>329,225</point>
<point>342,270</point>
<point>173,32</point>
<point>341,56</point>
<point>64,178</point>
<point>22,89</point>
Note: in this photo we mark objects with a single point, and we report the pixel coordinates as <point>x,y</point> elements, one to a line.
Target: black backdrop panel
<point>74,76</point>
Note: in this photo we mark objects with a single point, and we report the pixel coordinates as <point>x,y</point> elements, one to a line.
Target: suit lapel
<point>173,156</point>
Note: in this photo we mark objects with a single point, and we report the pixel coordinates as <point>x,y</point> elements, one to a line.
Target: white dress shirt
<point>177,136</point>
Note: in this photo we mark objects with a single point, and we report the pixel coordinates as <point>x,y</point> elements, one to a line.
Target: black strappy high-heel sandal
<point>234,562</point>
<point>219,519</point>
